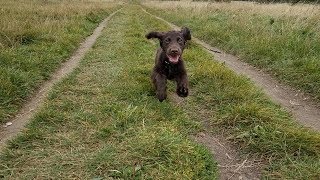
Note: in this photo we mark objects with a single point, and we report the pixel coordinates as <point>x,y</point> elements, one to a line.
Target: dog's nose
<point>174,51</point>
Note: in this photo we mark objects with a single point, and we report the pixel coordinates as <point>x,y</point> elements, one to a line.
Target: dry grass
<point>23,21</point>
<point>283,9</point>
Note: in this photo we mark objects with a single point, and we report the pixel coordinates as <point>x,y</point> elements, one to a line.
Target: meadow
<point>36,36</point>
<point>104,121</point>
<point>280,39</point>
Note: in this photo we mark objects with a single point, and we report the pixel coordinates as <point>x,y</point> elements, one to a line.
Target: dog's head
<point>172,42</point>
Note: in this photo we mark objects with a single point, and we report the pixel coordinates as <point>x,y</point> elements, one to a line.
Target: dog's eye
<point>180,40</point>
<point>167,40</point>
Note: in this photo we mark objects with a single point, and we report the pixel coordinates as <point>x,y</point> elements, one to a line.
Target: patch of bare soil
<point>232,166</point>
<point>31,106</point>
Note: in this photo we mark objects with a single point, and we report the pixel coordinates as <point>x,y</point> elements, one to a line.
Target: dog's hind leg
<point>160,84</point>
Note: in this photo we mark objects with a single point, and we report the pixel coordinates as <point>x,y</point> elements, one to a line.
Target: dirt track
<point>36,101</point>
<point>304,110</point>
<point>230,164</point>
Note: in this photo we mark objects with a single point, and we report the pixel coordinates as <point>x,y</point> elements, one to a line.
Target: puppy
<point>169,63</point>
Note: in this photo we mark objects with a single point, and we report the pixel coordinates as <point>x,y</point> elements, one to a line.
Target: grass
<point>36,36</point>
<point>281,39</point>
<point>104,121</point>
<point>234,107</point>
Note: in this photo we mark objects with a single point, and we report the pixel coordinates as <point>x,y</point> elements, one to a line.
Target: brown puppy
<point>169,63</point>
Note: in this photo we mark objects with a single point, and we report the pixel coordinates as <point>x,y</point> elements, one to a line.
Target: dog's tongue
<point>174,59</point>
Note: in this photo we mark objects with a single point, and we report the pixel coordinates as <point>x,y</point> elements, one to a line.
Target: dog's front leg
<point>160,83</point>
<point>182,85</point>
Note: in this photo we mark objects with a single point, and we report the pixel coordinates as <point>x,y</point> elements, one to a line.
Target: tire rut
<point>231,165</point>
<point>301,106</point>
<point>32,105</point>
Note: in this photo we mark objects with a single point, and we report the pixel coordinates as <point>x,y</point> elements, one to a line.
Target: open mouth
<point>174,58</point>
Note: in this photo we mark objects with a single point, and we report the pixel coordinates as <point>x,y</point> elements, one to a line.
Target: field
<point>104,122</point>
<point>280,39</point>
<point>35,37</point>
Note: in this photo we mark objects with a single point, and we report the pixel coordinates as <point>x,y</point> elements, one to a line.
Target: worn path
<point>33,104</point>
<point>230,164</point>
<point>304,110</point>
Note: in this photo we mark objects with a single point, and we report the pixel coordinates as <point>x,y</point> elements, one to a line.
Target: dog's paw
<point>161,96</point>
<point>182,91</point>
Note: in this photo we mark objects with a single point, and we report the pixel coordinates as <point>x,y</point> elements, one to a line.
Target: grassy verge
<point>103,121</point>
<point>281,39</point>
<point>35,37</point>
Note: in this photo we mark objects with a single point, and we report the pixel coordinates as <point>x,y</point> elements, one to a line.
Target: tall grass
<point>35,37</point>
<point>279,38</point>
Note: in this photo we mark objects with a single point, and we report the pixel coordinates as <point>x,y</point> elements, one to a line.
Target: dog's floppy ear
<point>186,33</point>
<point>158,35</point>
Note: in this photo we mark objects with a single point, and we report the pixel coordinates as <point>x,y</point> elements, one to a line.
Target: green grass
<point>233,105</point>
<point>287,45</point>
<point>35,38</point>
<point>104,119</point>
